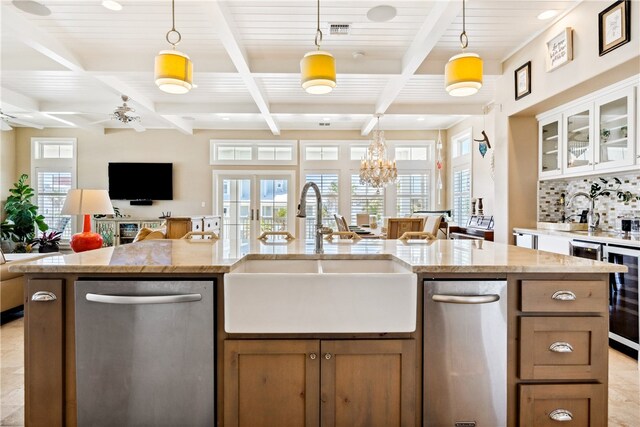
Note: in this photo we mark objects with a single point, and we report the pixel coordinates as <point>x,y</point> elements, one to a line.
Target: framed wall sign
<point>523,80</point>
<point>614,26</point>
<point>560,49</point>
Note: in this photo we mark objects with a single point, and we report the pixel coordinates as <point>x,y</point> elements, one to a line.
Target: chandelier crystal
<point>376,170</point>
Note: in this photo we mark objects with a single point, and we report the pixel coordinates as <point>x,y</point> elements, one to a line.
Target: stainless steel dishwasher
<point>465,353</point>
<point>145,353</point>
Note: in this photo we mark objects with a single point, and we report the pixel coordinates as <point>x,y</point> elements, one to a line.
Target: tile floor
<point>624,380</point>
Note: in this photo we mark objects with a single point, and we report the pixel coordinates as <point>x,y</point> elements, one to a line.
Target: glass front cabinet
<point>550,131</point>
<point>579,139</point>
<point>615,130</point>
<point>598,134</point>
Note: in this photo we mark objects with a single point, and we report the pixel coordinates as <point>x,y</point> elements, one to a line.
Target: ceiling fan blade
<point>137,126</point>
<point>4,125</point>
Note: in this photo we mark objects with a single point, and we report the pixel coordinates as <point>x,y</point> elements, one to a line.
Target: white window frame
<point>54,165</point>
<point>461,162</point>
<point>345,167</point>
<point>214,144</point>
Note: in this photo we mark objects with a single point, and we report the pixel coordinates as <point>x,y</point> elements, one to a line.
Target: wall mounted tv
<point>141,181</point>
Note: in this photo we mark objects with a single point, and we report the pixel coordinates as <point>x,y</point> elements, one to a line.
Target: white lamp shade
<point>87,202</point>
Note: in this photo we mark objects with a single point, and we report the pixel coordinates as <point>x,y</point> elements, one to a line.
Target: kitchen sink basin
<point>320,296</point>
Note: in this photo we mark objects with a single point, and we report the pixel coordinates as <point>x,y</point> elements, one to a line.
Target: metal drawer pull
<point>561,415</point>
<point>561,347</point>
<point>44,296</point>
<point>156,299</point>
<point>563,296</point>
<point>466,299</point>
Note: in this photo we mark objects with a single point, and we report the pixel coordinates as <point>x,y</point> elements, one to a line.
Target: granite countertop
<point>207,256</point>
<point>608,237</point>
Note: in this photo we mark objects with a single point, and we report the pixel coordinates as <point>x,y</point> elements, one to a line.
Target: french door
<point>251,203</point>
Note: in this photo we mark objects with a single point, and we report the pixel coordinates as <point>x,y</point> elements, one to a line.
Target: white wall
<point>7,163</point>
<point>188,153</point>
<point>482,184</point>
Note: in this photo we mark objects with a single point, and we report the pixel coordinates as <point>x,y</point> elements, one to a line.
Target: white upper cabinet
<point>578,125</point>
<point>550,157</point>
<point>615,129</point>
<point>591,135</point>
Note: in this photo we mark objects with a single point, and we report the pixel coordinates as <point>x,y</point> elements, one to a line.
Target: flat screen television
<point>141,181</point>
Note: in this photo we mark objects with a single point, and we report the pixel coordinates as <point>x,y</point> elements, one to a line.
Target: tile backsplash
<point>550,208</point>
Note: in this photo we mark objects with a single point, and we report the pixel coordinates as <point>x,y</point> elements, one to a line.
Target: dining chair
<point>341,222</point>
<point>398,226</point>
<point>429,232</point>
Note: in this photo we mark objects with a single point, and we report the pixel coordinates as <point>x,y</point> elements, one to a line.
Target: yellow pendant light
<point>173,69</point>
<point>318,68</point>
<point>463,72</point>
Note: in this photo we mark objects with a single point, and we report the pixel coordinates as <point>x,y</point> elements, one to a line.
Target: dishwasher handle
<point>133,299</point>
<point>466,299</point>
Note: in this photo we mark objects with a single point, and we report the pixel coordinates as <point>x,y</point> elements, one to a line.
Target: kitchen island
<point>555,316</point>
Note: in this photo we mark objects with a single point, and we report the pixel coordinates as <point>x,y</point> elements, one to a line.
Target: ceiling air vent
<point>339,29</point>
<point>324,124</point>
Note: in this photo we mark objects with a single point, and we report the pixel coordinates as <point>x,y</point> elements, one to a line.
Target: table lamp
<point>86,202</point>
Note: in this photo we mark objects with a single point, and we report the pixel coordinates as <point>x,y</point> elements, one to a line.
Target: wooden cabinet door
<point>44,353</point>
<point>271,383</point>
<point>544,405</point>
<point>368,383</point>
<point>178,227</point>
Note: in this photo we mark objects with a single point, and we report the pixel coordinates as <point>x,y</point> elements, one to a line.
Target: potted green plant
<point>49,241</point>
<point>22,218</point>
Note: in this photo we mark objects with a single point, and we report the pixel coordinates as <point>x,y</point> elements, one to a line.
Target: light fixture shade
<point>174,72</point>
<point>463,74</point>
<point>87,202</point>
<point>318,72</point>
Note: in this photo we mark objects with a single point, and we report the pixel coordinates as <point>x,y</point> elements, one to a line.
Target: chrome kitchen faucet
<point>302,208</point>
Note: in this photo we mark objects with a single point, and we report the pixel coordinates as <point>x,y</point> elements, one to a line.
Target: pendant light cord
<point>173,26</point>
<point>464,40</point>
<point>318,40</point>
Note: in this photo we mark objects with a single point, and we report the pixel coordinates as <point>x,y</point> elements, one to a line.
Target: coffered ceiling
<point>68,69</point>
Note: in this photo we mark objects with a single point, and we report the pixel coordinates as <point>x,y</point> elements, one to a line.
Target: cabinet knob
<point>561,347</point>
<point>563,296</point>
<point>312,356</point>
<point>327,356</point>
<point>561,415</point>
<point>43,296</point>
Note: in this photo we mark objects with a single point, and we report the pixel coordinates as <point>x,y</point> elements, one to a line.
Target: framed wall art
<point>614,26</point>
<point>523,80</point>
<point>560,49</point>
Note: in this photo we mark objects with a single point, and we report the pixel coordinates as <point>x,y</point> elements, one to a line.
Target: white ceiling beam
<point>139,99</point>
<point>225,27</point>
<point>432,29</point>
<point>39,40</point>
<point>206,108</point>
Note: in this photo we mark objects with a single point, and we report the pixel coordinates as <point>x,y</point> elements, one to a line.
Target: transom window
<point>319,152</point>
<point>249,152</point>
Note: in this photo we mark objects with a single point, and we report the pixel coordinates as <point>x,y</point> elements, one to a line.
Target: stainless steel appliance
<point>145,353</point>
<point>588,250</point>
<point>623,300</point>
<point>465,353</point>
<point>525,240</point>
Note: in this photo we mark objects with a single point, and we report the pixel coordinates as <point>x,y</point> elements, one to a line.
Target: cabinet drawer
<point>570,404</point>
<point>584,296</point>
<point>211,224</point>
<point>566,348</point>
<point>196,225</point>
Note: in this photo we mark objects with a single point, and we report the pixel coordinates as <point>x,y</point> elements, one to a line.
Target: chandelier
<point>376,170</point>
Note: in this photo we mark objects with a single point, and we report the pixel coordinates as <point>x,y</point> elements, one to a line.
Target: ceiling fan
<point>124,114</point>
<point>6,120</point>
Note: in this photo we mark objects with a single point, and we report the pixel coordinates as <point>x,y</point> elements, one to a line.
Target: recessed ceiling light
<point>32,7</point>
<point>547,14</point>
<point>112,5</point>
<point>421,119</point>
<point>382,13</point>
